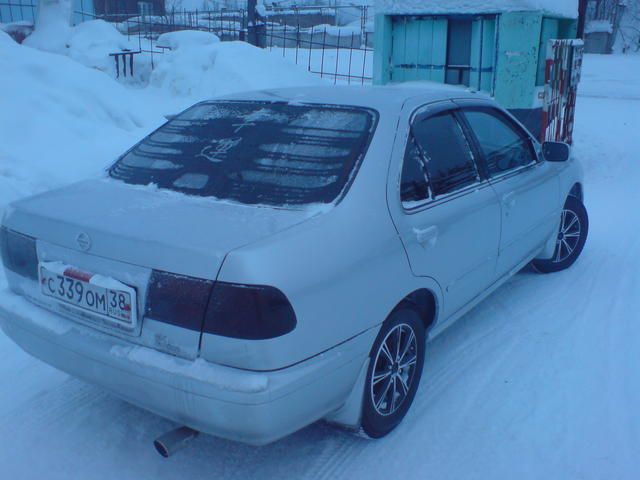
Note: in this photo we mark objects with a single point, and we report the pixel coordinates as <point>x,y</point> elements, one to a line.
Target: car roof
<point>388,97</point>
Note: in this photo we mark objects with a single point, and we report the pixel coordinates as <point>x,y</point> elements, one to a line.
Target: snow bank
<point>207,70</point>
<point>187,39</point>
<point>60,121</point>
<point>599,26</point>
<point>354,28</point>
<point>52,27</point>
<point>90,44</point>
<point>564,8</point>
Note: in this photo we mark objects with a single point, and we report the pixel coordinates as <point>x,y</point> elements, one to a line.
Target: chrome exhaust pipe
<point>173,441</point>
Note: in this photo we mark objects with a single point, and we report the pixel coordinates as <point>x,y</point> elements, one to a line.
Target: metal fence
<point>18,10</point>
<point>344,56</point>
<point>341,53</point>
<point>331,41</point>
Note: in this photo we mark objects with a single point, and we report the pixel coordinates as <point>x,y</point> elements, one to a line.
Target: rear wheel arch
<point>424,302</point>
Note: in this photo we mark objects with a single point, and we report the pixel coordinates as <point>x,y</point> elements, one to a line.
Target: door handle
<point>426,236</point>
<point>508,201</point>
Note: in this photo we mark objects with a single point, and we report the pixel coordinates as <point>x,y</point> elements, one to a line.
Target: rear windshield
<point>253,152</point>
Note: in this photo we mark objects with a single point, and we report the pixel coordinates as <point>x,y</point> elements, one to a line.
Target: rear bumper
<point>251,407</point>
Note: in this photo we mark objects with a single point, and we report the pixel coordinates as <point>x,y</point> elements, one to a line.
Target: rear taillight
<point>250,312</point>
<point>19,253</point>
<point>177,299</point>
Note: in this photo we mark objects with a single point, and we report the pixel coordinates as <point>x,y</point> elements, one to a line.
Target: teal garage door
<point>418,49</point>
<point>458,50</point>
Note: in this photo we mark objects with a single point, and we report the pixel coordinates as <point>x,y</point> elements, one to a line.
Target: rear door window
<point>414,186</point>
<point>254,152</point>
<point>447,154</point>
<point>504,146</point>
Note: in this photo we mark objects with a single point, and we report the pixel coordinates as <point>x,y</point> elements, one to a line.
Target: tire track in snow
<point>53,406</point>
<point>337,454</point>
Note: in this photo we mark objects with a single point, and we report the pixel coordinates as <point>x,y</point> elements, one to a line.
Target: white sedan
<point>267,260</point>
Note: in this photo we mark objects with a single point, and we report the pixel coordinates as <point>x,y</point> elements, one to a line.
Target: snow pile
<point>564,8</point>
<point>599,26</point>
<point>60,121</point>
<point>200,69</point>
<point>187,39</point>
<point>52,26</point>
<point>354,28</point>
<point>90,44</point>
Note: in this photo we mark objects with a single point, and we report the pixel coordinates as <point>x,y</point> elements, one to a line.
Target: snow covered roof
<point>562,8</point>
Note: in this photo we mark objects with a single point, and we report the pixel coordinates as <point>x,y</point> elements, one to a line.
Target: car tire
<point>572,236</point>
<point>393,376</point>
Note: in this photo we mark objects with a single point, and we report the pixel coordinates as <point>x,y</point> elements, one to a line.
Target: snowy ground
<point>540,381</point>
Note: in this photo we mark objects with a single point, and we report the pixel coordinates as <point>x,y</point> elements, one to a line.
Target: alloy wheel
<point>568,236</point>
<point>394,369</point>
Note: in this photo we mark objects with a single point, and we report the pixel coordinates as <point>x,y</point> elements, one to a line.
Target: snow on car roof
<point>563,8</point>
<point>388,97</point>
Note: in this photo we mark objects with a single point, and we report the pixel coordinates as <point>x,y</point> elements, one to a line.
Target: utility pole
<point>255,24</point>
<point>582,17</point>
<point>252,37</point>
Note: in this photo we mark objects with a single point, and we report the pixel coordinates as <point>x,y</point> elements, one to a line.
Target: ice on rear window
<point>284,163</point>
<point>289,180</point>
<point>192,181</point>
<point>254,152</point>
<point>266,115</point>
<point>301,150</point>
<point>331,119</point>
<point>151,163</point>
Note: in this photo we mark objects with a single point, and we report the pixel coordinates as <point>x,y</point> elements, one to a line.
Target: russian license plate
<point>101,295</point>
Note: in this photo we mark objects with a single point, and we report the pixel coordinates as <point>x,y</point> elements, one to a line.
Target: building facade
<point>502,53</point>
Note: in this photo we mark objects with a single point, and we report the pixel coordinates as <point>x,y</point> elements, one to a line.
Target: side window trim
<point>423,167</point>
<point>499,114</point>
<point>481,163</point>
<point>425,156</point>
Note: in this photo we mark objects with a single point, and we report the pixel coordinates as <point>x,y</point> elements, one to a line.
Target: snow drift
<point>200,66</point>
<point>60,121</point>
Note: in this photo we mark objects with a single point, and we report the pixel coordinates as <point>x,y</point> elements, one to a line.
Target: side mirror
<point>556,151</point>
